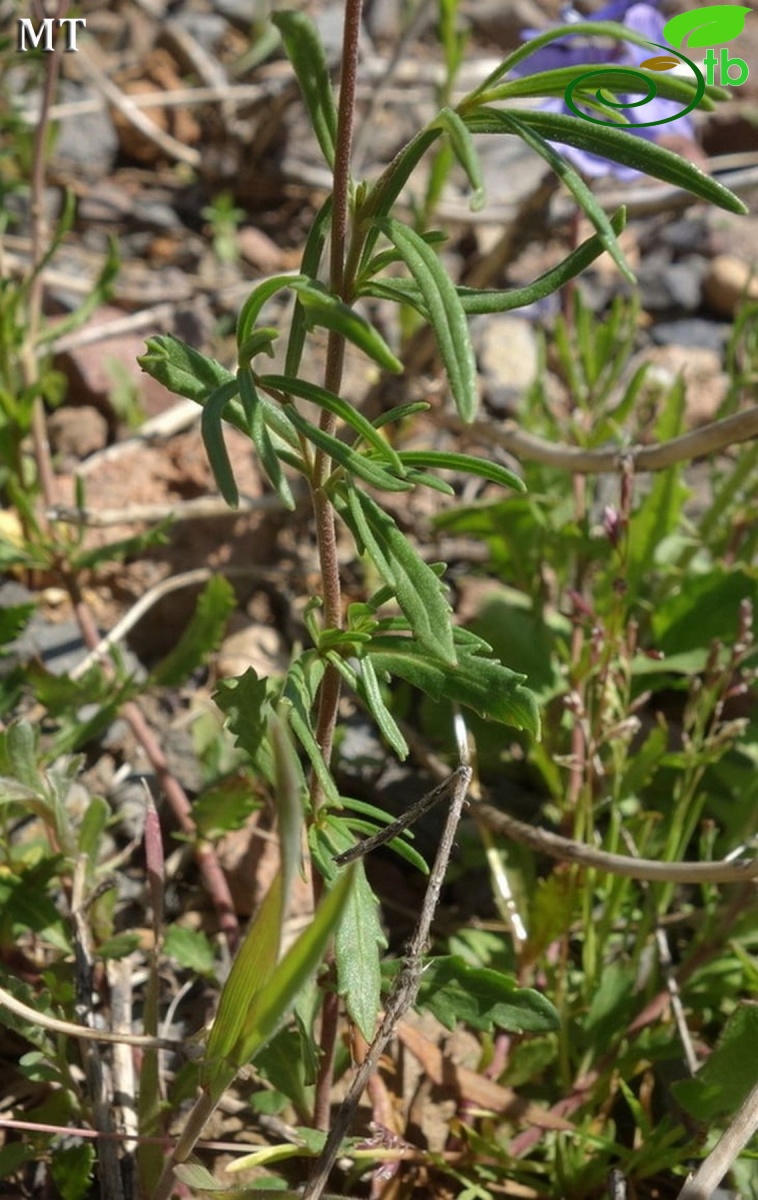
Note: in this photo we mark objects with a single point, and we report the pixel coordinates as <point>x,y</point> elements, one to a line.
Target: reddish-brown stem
<point>326,533</point>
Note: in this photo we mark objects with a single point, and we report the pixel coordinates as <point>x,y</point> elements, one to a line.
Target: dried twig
<point>708,440</point>
<point>555,846</point>
<point>124,103</point>
<point>200,508</point>
<point>709,1174</point>
<point>83,1032</point>
<point>173,584</point>
<point>406,985</point>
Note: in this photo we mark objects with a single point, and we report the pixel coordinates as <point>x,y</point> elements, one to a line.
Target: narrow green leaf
<point>554,83</point>
<point>382,196</point>
<point>418,590</point>
<point>262,439</point>
<point>619,146</point>
<point>341,408</point>
<point>313,252</point>
<point>358,944</point>
<point>275,1000</point>
<point>372,695</point>
<point>251,309</point>
<point>487,1000</point>
<point>351,460</point>
<point>611,29</point>
<point>465,151</point>
<point>261,341</point>
<point>306,53</point>
<point>480,683</point>
<point>289,805</point>
<point>303,679</point>
<point>321,308</point>
<point>446,314</point>
<point>583,195</point>
<point>213,439</point>
<point>202,635</point>
<point>387,258</point>
<point>442,460</point>
<point>182,369</point>
<point>400,412</point>
<point>235,1021</point>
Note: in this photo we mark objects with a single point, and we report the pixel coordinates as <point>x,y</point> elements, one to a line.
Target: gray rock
<point>692,332</point>
<point>87,140</point>
<point>507,353</point>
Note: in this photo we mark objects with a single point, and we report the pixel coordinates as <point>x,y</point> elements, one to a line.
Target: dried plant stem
<point>403,994</point>
<point>710,439</point>
<point>551,844</point>
<point>709,1174</point>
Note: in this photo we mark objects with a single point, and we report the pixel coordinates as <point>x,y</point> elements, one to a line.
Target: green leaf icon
<point>707,26</point>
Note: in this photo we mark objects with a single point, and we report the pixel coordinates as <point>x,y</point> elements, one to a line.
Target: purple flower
<point>643,18</point>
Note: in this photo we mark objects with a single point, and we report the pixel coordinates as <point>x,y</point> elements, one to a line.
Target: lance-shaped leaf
<point>415,585</point>
<point>480,683</point>
<point>489,300</point>
<point>321,308</point>
<point>213,438</point>
<point>446,315</point>
<point>182,369</point>
<point>618,145</point>
<point>234,1026</point>
<point>306,53</point>
<point>443,460</point>
<point>313,252</point>
<point>352,460</point>
<point>366,684</point>
<point>465,151</point>
<point>275,1000</point>
<point>620,33</point>
<point>303,679</point>
<point>251,309</point>
<point>555,82</point>
<point>382,196</point>
<point>574,182</point>
<point>341,408</point>
<point>259,433</point>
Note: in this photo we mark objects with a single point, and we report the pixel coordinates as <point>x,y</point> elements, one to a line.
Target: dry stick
<point>555,846</point>
<point>164,141</point>
<point>718,435</point>
<point>404,990</point>
<point>83,1032</point>
<point>201,508</point>
<point>99,1082</point>
<point>709,1174</point>
<point>145,603</point>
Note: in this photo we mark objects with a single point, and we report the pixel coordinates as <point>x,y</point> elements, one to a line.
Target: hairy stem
<point>326,532</point>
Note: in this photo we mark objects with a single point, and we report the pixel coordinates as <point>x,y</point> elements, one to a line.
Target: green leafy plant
<point>405,630</point>
<point>564,657</point>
